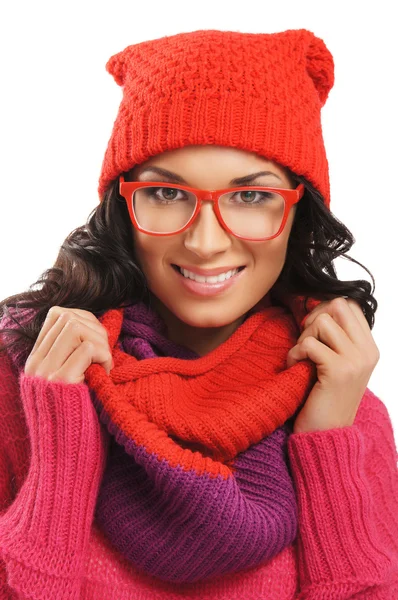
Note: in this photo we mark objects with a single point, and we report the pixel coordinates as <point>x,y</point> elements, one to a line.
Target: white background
<point>58,105</point>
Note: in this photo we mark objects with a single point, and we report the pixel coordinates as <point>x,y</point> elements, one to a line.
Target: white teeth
<point>212,279</point>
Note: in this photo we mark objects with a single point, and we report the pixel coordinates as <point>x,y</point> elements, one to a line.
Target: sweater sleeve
<point>44,532</point>
<point>347,491</point>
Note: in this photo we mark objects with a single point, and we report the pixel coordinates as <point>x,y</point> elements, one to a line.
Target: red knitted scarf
<point>219,404</point>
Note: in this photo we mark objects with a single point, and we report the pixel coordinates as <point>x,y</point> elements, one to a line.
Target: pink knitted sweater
<point>346,482</point>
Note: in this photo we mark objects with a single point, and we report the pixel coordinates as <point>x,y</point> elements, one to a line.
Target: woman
<point>186,412</point>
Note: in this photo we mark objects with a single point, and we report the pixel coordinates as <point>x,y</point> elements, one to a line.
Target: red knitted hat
<point>255,91</point>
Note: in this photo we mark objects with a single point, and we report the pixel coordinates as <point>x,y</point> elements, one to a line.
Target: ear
<point>320,67</point>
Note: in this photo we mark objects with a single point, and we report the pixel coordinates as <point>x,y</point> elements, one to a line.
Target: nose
<point>206,236</point>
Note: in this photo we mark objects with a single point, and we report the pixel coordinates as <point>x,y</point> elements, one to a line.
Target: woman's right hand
<point>69,341</point>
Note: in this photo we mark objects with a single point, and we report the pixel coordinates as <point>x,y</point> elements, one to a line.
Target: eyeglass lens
<point>250,213</point>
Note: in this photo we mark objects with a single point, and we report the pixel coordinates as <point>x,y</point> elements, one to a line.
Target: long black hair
<point>96,268</point>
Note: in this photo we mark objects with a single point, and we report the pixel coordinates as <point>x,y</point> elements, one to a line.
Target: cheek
<point>142,250</point>
<point>276,250</point>
<point>150,252</point>
<point>271,256</point>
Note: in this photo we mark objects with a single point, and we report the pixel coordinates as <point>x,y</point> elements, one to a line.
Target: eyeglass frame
<point>127,189</point>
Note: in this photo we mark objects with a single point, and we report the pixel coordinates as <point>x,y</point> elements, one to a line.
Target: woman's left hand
<point>338,339</point>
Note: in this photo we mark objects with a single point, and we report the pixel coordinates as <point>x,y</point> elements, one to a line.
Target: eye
<point>166,195</point>
<point>251,197</point>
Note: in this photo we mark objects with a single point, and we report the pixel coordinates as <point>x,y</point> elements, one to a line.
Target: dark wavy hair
<point>96,268</point>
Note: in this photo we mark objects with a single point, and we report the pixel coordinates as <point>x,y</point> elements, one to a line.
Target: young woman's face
<point>206,245</point>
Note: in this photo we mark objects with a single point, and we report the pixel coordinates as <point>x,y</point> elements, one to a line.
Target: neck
<point>200,340</point>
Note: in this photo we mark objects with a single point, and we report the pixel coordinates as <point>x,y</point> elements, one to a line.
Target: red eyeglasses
<point>260,217</point>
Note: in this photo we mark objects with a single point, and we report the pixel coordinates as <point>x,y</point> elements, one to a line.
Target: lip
<point>209,272</point>
<point>208,289</point>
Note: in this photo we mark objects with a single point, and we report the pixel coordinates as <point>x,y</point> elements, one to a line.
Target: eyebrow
<point>178,179</point>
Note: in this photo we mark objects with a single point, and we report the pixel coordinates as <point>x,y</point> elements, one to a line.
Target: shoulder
<point>15,354</point>
<point>372,410</point>
<point>11,365</point>
<point>374,421</point>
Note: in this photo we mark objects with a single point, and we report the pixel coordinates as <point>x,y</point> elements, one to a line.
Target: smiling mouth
<point>210,278</point>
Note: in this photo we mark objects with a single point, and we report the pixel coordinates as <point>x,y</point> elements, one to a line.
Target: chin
<point>206,317</point>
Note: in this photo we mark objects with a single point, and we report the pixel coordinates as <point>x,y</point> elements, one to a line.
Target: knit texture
<point>178,481</point>
<point>346,483</point>
<point>259,92</point>
<point>196,490</point>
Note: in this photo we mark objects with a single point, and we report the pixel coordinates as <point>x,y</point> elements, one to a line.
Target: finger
<point>314,350</point>
<point>90,320</point>
<point>346,315</point>
<point>320,308</point>
<point>72,371</point>
<point>56,311</point>
<point>83,315</point>
<point>48,333</point>
<point>329,332</point>
<point>65,335</point>
<point>353,304</point>
<point>72,335</point>
<point>357,310</point>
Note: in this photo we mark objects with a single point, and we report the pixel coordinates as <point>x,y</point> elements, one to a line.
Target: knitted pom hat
<point>259,92</point>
